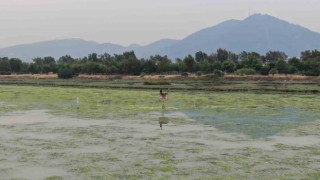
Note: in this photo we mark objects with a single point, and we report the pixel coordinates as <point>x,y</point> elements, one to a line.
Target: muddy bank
<point>229,83</point>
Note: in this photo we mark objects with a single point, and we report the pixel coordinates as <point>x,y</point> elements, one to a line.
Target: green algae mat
<point>253,114</point>
<point>87,133</point>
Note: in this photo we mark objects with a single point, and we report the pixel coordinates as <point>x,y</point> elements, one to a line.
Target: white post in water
<point>78,105</point>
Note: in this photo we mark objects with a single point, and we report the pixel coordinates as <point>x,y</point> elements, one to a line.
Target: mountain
<point>154,48</point>
<point>58,48</point>
<point>79,48</point>
<point>259,33</point>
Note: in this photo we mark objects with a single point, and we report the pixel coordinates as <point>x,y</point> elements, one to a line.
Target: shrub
<point>265,70</point>
<point>5,73</point>
<point>185,74</point>
<point>273,71</point>
<point>312,66</point>
<point>65,73</point>
<point>156,83</point>
<point>199,73</point>
<point>173,72</point>
<point>117,77</point>
<point>218,73</point>
<point>142,74</point>
<point>245,71</point>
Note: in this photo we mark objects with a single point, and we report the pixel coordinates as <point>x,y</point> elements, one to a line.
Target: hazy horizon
<point>141,21</point>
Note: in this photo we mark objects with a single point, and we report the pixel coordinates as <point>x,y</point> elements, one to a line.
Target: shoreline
<point>229,83</point>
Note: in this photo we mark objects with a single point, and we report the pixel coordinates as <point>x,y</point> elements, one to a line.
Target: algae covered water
<point>115,134</point>
<point>255,123</point>
<point>255,115</point>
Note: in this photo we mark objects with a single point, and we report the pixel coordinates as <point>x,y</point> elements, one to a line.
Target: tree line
<point>273,62</point>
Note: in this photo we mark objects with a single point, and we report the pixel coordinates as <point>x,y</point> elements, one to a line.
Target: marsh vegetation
<point>228,83</point>
<point>115,134</point>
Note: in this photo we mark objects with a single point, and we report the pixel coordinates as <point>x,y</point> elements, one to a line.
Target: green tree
<point>222,55</point>
<point>157,63</point>
<point>217,65</point>
<point>190,63</point>
<point>233,57</point>
<point>212,58</point>
<point>93,68</point>
<point>228,66</point>
<point>66,59</point>
<point>205,66</point>
<point>265,69</point>
<point>182,67</point>
<point>294,62</point>
<point>34,68</point>
<point>149,66</point>
<point>15,64</point>
<point>49,60</point>
<point>251,62</point>
<point>93,57</point>
<point>163,64</point>
<point>309,54</point>
<point>281,67</point>
<point>200,56</point>
<point>130,64</point>
<point>76,68</point>
<point>37,66</point>
<point>49,64</point>
<point>294,65</point>
<point>273,71</point>
<point>312,66</point>
<point>24,68</point>
<point>65,73</point>
<point>243,55</point>
<point>273,56</point>
<point>5,65</point>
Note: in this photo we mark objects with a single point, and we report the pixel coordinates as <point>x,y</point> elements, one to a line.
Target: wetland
<point>116,134</point>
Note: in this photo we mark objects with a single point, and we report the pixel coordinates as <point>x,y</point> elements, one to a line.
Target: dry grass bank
<point>277,77</point>
<point>29,76</point>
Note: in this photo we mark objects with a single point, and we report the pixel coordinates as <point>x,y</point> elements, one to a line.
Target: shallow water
<point>255,115</point>
<point>116,134</point>
<point>37,145</point>
<point>254,122</point>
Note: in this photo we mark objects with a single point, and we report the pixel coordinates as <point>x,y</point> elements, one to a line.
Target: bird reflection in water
<point>163,119</point>
<point>163,98</point>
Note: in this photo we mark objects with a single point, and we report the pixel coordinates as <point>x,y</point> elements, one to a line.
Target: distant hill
<point>259,33</point>
<point>58,48</point>
<point>79,48</point>
<point>154,48</point>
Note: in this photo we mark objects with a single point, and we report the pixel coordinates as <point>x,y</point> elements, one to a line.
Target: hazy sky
<point>136,21</point>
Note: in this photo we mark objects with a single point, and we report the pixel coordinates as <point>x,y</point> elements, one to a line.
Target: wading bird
<point>163,97</point>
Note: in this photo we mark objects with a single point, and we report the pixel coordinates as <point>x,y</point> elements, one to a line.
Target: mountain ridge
<point>259,33</point>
